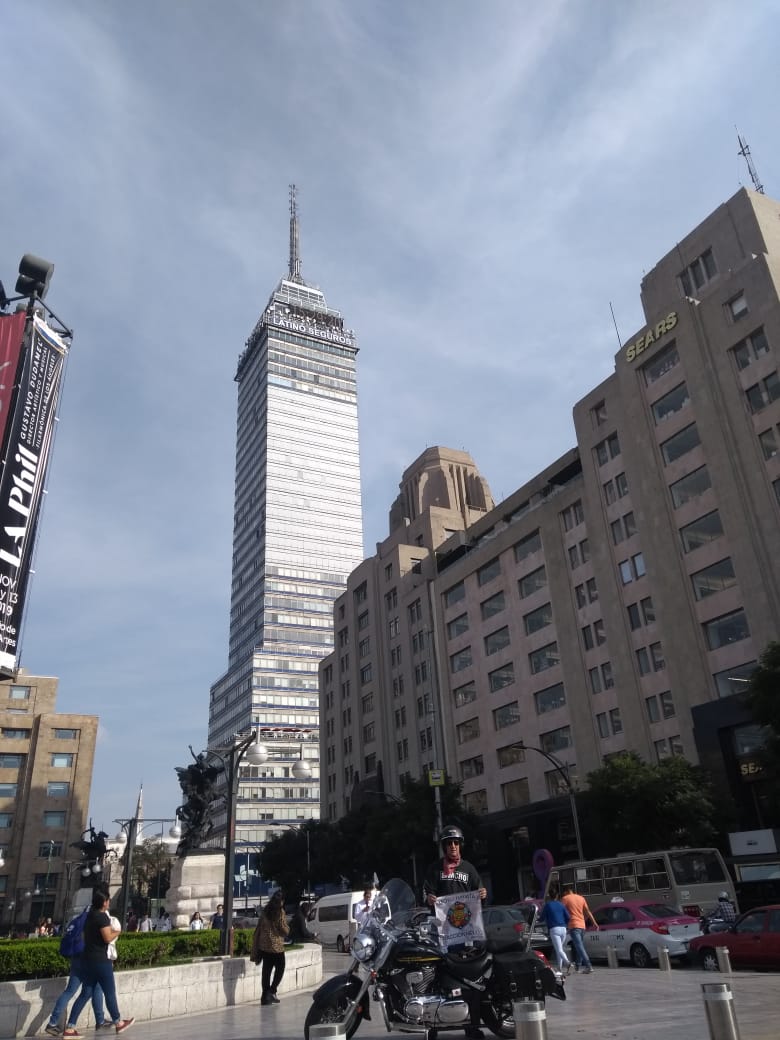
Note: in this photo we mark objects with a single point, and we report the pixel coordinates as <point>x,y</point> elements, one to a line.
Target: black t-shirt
<point>94,943</point>
<point>464,878</point>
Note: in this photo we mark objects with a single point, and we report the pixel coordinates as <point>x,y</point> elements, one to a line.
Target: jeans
<point>94,974</point>
<point>558,935</point>
<point>580,956</point>
<point>74,982</point>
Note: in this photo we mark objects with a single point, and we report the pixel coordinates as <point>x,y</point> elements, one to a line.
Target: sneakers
<point>588,970</point>
<point>70,1031</point>
<point>124,1024</point>
<point>52,1030</point>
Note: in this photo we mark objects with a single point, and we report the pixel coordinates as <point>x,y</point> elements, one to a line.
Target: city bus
<point>691,879</point>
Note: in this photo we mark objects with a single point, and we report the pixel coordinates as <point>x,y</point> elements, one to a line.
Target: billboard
<point>27,442</point>
<point>11,337</point>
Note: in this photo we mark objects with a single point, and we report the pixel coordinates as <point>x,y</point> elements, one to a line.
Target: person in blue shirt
<point>555,915</point>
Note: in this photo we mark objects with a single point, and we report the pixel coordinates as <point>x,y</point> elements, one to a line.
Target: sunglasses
<point>451,841</point>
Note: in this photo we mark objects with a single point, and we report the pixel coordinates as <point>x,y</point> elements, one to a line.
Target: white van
<point>332,919</point>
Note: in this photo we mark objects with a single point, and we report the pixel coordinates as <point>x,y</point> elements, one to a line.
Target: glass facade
<point>297,536</point>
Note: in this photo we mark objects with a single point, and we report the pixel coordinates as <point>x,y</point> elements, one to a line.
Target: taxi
<point>638,929</point>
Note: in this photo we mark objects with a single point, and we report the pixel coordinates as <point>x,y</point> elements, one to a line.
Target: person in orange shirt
<point>578,910</point>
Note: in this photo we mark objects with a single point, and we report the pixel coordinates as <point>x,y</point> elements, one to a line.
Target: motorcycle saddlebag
<point>524,976</point>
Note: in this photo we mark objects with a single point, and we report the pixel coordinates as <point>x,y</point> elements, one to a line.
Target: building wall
<point>48,757</point>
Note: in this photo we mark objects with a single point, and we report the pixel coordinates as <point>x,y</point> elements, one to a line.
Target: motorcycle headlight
<point>363,947</point>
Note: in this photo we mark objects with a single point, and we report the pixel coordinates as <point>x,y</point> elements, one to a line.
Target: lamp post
<point>128,837</point>
<point>563,770</point>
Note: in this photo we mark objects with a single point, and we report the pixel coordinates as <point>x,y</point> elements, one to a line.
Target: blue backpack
<point>72,941</point>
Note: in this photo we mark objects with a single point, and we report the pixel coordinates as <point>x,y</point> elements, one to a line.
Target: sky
<point>477,183</point>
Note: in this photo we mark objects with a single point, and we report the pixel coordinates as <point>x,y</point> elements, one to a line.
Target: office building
<point>46,763</point>
<point>297,535</point>
<point>631,584</point>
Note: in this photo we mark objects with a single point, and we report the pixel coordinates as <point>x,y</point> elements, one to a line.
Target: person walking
<point>579,910</point>
<point>555,915</point>
<point>96,968</point>
<point>146,924</point>
<point>217,919</point>
<point>268,946</point>
<point>70,991</point>
<point>197,924</point>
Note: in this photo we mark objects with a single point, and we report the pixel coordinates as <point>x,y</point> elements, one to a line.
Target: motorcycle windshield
<point>395,898</point>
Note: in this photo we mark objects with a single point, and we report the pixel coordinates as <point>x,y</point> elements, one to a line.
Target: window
<point>496,641</point>
<point>53,819</point>
<point>697,274</point>
<point>643,661</point>
<point>573,516</point>
<point>494,605</point>
<point>57,789</point>
<point>598,413</point>
<point>511,755</point>
<point>629,523</point>
<point>730,628</point>
<point>465,694</point>
<point>458,626</point>
<point>598,632</point>
<point>587,637</point>
<point>8,790</point>
<point>667,704</point>
<point>527,546</point>
<point>472,767</point>
<point>366,674</point>
<point>19,693</point>
<point>594,678</point>
<point>489,571</point>
<point>389,572</point>
<point>712,579</point>
<point>671,403</point>
<point>701,532</point>
<point>607,449</point>
<point>615,721</point>
<point>634,619</point>
<point>476,802</point>
<point>6,820</point>
<point>555,740</point>
<point>415,610</point>
<point>455,594</point>
<point>657,657</point>
<point>370,763</point>
<point>606,675</point>
<point>538,619</point>
<point>550,699</point>
<point>15,734</point>
<point>592,591</point>
<point>501,677</point>
<point>768,443</point>
<point>648,610</point>
<point>363,621</point>
<point>603,725</point>
<point>391,599</point>
<point>661,363</point>
<point>364,647</point>
<point>361,593</point>
<point>750,349</point>
<point>11,761</point>
<point>460,660</point>
<point>737,307</point>
<point>579,595</point>
<point>532,582</point>
<point>59,760</point>
<point>515,793</point>
<point>395,656</point>
<point>763,393</point>
<point>664,748</point>
<point>732,680</point>
<point>651,706</point>
<point>691,486</point>
<point>617,531</point>
<point>633,569</point>
<point>683,442</point>
<point>367,704</point>
<point>420,673</point>
<point>50,848</point>
<point>543,658</point>
<point>506,715</point>
<point>610,495</point>
<point>369,733</point>
<point>574,557</point>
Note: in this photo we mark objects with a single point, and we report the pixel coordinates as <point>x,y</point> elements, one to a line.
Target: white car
<point>638,929</point>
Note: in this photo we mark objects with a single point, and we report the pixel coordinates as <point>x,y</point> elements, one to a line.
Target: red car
<point>753,941</point>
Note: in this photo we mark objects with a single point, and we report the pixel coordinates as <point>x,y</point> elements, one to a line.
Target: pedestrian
<point>268,946</point>
<point>217,920</point>
<point>448,876</point>
<point>578,908</point>
<point>163,921</point>
<point>146,924</point>
<point>132,921</point>
<point>362,910</point>
<point>96,968</point>
<point>197,923</point>
<point>555,915</point>
<point>299,928</point>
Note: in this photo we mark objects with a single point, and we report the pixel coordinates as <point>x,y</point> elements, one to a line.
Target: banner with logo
<point>27,445</point>
<point>11,339</point>
<point>459,919</point>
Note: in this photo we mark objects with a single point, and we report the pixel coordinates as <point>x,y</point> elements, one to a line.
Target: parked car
<point>638,929</point>
<point>753,941</point>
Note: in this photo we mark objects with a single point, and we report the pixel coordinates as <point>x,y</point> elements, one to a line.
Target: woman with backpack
<point>72,947</point>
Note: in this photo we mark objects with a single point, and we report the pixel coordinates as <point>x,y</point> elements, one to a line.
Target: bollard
<point>530,1020</point>
<point>612,961</point>
<point>724,959</point>
<point>664,961</point>
<point>719,1005</point>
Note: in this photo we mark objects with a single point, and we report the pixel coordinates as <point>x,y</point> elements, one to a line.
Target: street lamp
<point>563,770</point>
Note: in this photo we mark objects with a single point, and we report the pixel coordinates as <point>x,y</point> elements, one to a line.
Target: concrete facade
<point>46,761</point>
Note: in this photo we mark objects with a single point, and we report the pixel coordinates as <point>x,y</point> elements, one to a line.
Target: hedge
<point>40,958</point>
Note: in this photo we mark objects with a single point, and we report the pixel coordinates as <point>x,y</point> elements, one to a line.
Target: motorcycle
<point>399,966</point>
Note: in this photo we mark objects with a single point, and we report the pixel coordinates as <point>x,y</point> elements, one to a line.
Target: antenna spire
<point>744,151</point>
<point>295,251</point>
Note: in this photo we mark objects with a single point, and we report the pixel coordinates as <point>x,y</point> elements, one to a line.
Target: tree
<point>151,872</point>
<point>632,806</point>
<point>763,699</point>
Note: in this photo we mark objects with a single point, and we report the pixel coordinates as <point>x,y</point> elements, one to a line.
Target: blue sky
<point>477,182</point>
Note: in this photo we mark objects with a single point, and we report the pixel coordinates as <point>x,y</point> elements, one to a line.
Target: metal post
<point>612,961</point>
<point>231,759</point>
<point>530,1020</point>
<point>132,834</point>
<point>719,1006</point>
<point>724,959</point>
<point>664,961</point>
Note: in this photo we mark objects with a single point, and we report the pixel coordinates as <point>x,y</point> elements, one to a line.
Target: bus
<point>690,879</point>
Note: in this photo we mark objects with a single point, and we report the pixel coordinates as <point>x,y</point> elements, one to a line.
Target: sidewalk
<point>617,1004</point>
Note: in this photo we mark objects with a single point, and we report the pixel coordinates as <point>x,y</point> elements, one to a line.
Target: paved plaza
<point>611,1004</point>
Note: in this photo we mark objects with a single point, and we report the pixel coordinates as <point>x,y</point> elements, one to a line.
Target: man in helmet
<point>726,909</point>
<point>446,877</point>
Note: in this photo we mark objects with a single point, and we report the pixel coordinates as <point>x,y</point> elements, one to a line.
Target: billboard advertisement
<point>27,443</point>
<point>11,338</point>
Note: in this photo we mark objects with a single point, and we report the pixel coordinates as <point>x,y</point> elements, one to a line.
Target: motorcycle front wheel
<point>499,1018</point>
<point>334,1012</point>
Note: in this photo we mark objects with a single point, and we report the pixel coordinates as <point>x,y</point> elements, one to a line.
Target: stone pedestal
<point>197,881</point>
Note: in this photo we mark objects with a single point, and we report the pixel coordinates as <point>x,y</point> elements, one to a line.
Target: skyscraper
<point>297,534</point>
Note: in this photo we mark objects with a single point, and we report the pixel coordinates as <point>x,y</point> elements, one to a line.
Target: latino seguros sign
<point>26,447</point>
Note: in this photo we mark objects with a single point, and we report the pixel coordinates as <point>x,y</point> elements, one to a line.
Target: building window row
<point>615,489</point>
<point>750,349</point>
<point>594,635</point>
<point>607,449</point>
<point>632,569</point>
<point>573,516</point>
<point>697,274</point>
<point>660,706</point>
<point>650,659</point>
<point>579,554</point>
<point>623,528</point>
<point>609,723</point>
<point>763,393</point>
<point>586,593</point>
<point>661,363</point>
<point>601,678</point>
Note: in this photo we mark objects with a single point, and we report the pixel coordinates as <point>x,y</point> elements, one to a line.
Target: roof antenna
<point>744,151</point>
<point>614,322</point>
<point>295,253</point>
